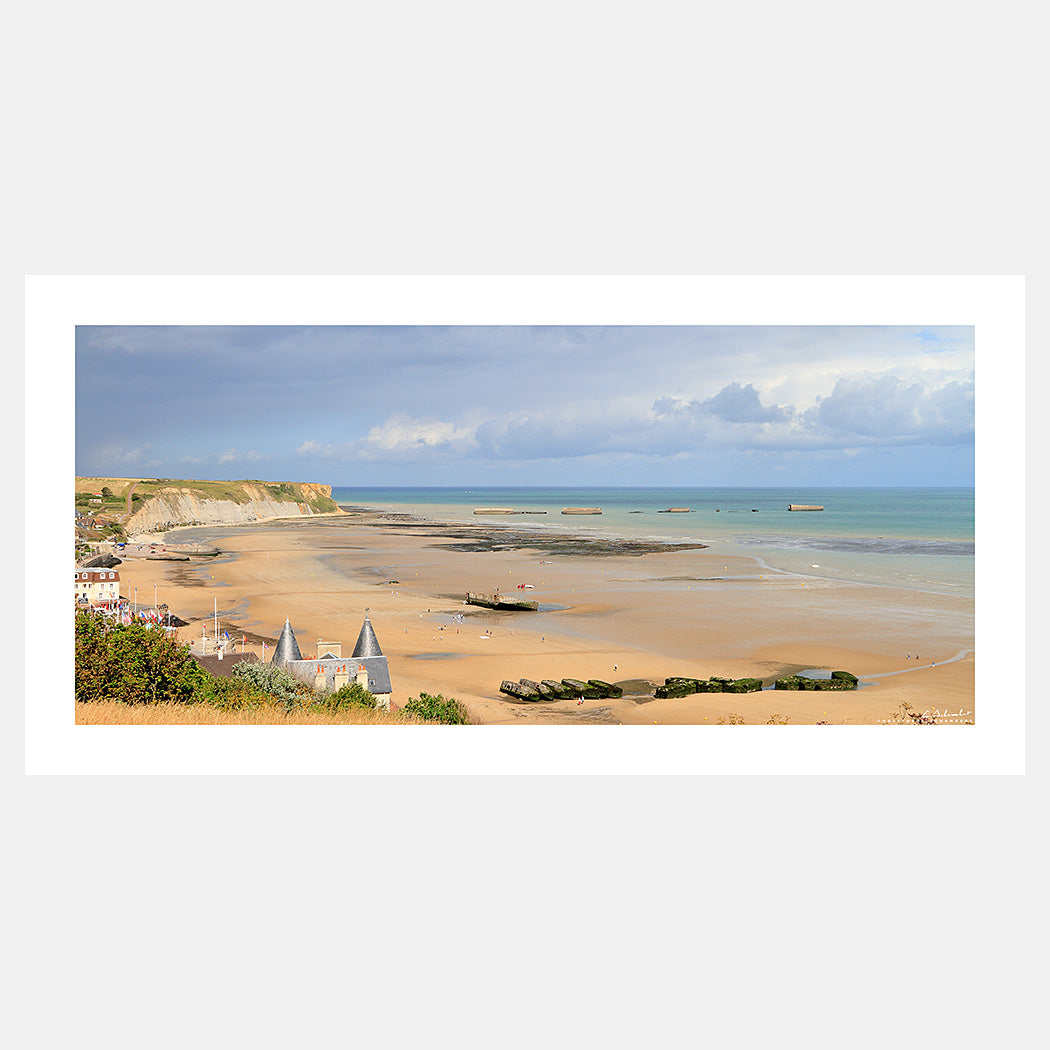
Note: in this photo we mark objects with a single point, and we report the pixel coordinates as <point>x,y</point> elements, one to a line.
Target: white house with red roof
<point>96,586</point>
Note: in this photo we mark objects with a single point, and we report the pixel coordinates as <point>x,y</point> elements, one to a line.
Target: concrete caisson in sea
<point>505,510</point>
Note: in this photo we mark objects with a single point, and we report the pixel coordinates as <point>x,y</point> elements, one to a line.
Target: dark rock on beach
<point>102,561</point>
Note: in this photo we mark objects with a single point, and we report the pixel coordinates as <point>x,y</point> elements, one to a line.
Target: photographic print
<point>628,524</point>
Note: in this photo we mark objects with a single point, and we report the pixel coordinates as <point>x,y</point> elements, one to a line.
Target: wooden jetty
<point>581,510</point>
<point>803,506</point>
<point>500,601</point>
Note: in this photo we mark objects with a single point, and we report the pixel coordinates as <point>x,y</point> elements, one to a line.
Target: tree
<point>131,663</point>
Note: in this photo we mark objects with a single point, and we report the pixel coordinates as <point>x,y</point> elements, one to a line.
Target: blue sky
<point>664,405</point>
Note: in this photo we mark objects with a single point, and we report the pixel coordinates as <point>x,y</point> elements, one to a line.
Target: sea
<point>918,539</point>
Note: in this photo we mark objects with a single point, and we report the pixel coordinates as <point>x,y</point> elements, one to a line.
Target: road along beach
<point>619,610</point>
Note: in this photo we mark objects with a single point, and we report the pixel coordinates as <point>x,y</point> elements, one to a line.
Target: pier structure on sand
<point>501,601</point>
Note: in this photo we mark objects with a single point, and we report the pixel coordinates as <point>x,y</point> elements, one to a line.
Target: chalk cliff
<point>182,503</point>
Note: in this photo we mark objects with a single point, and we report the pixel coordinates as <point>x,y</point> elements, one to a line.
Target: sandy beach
<point>621,618</point>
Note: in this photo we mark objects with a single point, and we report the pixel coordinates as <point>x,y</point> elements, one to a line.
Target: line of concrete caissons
<point>595,689</point>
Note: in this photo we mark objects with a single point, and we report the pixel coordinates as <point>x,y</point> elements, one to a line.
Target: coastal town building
<point>330,670</point>
<point>96,586</point>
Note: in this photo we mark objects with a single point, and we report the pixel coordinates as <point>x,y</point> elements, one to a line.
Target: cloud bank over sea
<point>850,405</point>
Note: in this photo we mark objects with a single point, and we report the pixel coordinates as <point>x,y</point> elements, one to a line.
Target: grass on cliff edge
<point>234,491</point>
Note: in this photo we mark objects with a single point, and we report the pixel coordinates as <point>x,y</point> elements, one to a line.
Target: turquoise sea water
<point>921,539</point>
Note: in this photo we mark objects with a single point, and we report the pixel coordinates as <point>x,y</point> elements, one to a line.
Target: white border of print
<point>995,305</point>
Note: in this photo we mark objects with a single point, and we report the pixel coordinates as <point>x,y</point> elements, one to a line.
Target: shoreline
<point>694,611</point>
<point>880,551</point>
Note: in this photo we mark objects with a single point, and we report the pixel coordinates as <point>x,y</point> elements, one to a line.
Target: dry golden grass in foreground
<point>111,713</point>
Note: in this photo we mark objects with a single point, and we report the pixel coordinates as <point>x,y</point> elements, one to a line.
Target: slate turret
<point>367,643</point>
<point>287,647</point>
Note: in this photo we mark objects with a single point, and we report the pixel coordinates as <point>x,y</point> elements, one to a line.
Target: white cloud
<point>397,438</point>
<point>231,455</point>
<point>860,410</point>
<point>856,411</point>
<point>400,433</point>
<point>896,410</point>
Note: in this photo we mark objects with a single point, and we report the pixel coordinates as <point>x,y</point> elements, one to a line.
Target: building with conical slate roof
<point>368,665</point>
<point>367,643</point>
<point>287,650</point>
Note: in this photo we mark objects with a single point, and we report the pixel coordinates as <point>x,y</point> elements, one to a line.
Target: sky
<point>517,406</point>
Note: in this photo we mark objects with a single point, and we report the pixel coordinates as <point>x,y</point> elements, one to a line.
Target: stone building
<point>331,670</point>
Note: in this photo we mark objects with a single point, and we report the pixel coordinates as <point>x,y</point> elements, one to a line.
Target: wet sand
<point>611,616</point>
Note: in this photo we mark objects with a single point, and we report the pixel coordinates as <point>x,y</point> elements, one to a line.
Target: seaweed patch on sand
<point>570,546</point>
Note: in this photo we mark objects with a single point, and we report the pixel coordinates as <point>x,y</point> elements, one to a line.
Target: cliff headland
<point>145,505</point>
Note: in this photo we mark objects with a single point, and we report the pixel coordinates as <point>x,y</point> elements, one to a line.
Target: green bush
<point>139,664</point>
<point>353,694</point>
<point>438,709</point>
<point>131,663</point>
<point>229,694</point>
<point>271,679</point>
